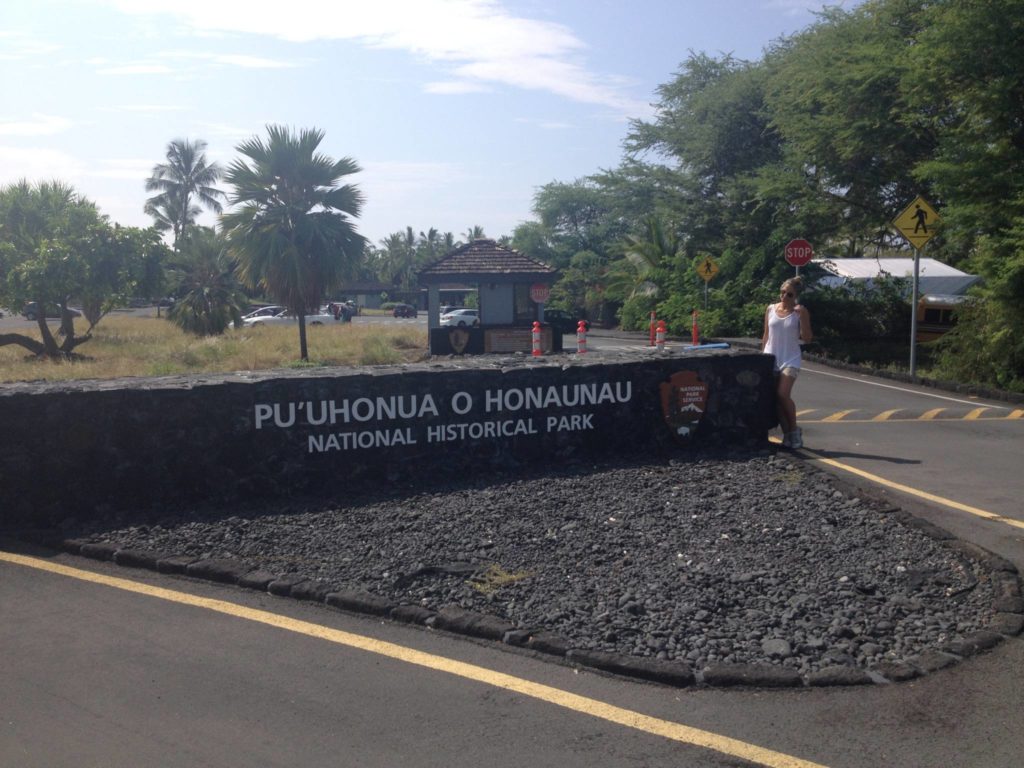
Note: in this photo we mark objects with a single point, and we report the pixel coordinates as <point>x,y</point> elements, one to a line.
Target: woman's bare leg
<point>786,406</point>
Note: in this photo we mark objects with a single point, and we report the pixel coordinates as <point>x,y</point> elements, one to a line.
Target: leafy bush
<point>859,312</point>
<point>982,348</point>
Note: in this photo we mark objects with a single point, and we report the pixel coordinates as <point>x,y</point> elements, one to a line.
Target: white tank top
<point>783,339</point>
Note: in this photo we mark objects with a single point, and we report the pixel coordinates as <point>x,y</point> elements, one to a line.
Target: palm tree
<point>640,270</point>
<point>430,242</point>
<point>185,183</point>
<point>474,233</point>
<point>291,233</point>
<point>394,260</point>
<point>211,297</point>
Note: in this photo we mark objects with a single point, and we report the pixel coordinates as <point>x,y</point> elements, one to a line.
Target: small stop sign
<point>539,292</point>
<point>798,253</point>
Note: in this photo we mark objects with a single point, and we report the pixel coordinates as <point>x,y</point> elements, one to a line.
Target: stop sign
<point>539,292</point>
<point>798,252</point>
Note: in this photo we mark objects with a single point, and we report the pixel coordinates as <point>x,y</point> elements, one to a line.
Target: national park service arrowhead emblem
<point>458,338</point>
<point>683,400</point>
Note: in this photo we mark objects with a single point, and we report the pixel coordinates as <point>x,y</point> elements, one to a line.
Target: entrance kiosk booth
<point>511,287</point>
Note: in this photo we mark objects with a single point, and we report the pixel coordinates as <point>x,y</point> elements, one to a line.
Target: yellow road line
<point>839,415</point>
<point>984,514</point>
<point>807,410</point>
<point>929,415</point>
<point>973,415</point>
<point>1016,414</point>
<point>902,419</point>
<point>683,734</point>
<point>885,415</point>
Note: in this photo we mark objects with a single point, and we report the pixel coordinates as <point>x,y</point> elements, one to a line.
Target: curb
<point>1008,620</point>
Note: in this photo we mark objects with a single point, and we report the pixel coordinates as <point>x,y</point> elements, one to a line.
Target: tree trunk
<point>31,345</point>
<point>50,347</point>
<point>303,349</point>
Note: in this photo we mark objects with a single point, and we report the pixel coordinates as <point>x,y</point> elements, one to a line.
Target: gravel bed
<point>752,558</point>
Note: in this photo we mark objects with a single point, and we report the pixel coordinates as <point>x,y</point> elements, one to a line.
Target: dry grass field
<point>150,346</point>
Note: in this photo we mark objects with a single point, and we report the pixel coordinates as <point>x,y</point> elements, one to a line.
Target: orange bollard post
<point>653,316</point>
<point>536,339</point>
<point>581,337</point>
<point>660,336</point>
<point>694,331</point>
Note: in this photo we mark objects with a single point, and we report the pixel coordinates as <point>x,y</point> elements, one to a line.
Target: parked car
<point>31,311</point>
<point>446,308</point>
<point>404,310</point>
<point>563,321</point>
<point>461,317</point>
<point>268,311</point>
<point>287,318</point>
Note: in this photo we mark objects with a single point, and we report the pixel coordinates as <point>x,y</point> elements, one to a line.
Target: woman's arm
<point>764,332</point>
<point>805,326</point>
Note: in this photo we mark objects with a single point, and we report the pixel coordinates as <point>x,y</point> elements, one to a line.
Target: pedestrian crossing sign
<point>917,223</point>
<point>707,268</point>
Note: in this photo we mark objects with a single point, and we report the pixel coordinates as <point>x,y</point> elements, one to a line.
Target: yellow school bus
<point>936,314</point>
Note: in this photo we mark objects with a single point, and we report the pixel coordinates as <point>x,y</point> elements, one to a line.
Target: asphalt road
<point>150,669</point>
<point>184,673</point>
<point>967,451</point>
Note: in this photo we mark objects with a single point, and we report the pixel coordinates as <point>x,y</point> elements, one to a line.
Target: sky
<point>457,111</point>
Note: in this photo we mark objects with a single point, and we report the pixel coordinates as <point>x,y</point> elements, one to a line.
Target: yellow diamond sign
<point>917,223</point>
<point>706,268</point>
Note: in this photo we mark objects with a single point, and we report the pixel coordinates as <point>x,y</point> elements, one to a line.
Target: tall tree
<point>850,138</point>
<point>55,244</point>
<point>185,184</point>
<point>292,233</point>
<point>398,259</point>
<point>210,297</point>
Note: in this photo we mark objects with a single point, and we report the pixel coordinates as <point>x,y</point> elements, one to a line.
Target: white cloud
<point>136,69</point>
<point>549,125</point>
<point>38,164</point>
<point>455,87</point>
<point>144,108</point>
<point>132,169</point>
<point>225,131</point>
<point>393,178</point>
<point>38,125</point>
<point>252,62</point>
<point>480,39</point>
<point>15,46</point>
<point>228,59</point>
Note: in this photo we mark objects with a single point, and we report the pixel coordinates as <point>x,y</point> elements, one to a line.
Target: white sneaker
<point>796,439</point>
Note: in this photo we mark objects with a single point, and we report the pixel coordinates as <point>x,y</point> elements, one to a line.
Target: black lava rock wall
<point>71,448</point>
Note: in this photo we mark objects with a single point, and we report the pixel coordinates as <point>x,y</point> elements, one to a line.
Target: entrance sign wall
<point>173,441</point>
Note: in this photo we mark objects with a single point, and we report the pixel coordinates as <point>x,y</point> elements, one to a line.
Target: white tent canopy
<point>935,277</point>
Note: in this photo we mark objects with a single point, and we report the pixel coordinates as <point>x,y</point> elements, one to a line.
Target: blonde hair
<point>794,283</point>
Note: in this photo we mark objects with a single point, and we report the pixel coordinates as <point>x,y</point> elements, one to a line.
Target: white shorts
<point>791,371</point>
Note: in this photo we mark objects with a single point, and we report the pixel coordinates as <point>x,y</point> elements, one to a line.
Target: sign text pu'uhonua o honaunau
<point>406,419</point>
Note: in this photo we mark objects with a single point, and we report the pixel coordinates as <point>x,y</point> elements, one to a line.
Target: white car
<point>461,317</point>
<point>287,318</point>
<point>270,311</point>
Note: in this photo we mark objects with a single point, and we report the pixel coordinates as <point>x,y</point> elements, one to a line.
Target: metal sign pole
<point>705,295</point>
<point>913,316</point>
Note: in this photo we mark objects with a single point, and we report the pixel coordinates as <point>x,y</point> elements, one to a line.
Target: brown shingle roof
<point>486,260</point>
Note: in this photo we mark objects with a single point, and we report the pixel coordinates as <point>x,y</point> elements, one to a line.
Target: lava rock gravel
<point>734,559</point>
